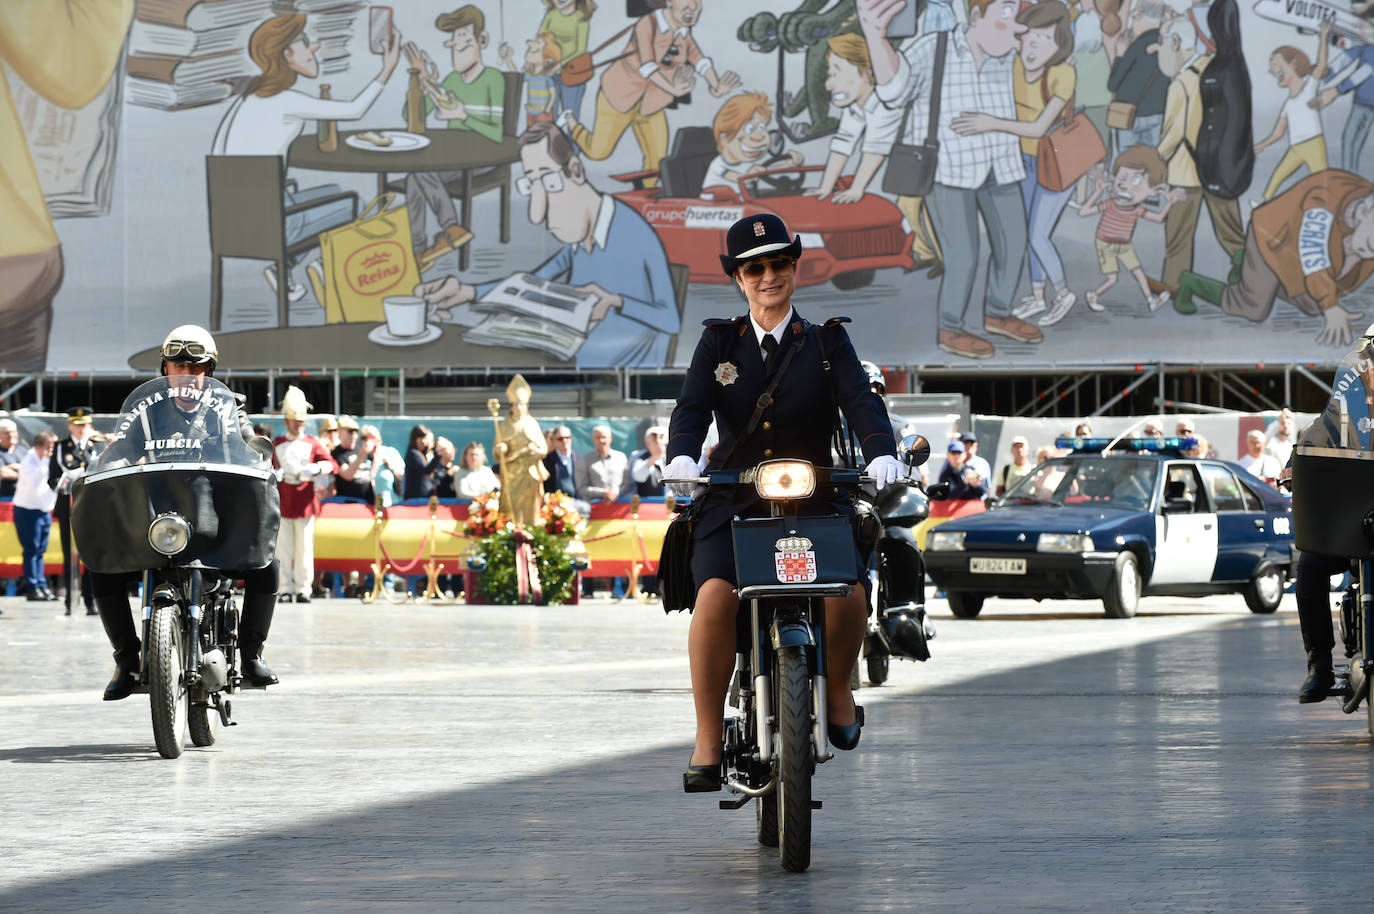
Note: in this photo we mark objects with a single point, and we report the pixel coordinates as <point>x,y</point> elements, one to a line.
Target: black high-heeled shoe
<point>846,736</point>
<point>700,778</point>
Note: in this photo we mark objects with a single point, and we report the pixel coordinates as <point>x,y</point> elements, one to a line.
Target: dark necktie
<point>770,348</point>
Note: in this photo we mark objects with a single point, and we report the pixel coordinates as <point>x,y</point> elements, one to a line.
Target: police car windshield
<point>188,419</point>
<point>1106,481</point>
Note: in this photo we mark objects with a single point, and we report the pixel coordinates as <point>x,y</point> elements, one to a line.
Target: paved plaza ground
<point>421,758</point>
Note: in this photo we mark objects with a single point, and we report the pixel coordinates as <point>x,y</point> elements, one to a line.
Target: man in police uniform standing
<point>68,462</point>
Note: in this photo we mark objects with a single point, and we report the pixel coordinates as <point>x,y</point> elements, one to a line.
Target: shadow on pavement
<point>105,753</point>
<point>972,797</point>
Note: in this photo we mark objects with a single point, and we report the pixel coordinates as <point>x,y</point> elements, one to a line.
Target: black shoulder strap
<point>938,80</point>
<point>766,398</point>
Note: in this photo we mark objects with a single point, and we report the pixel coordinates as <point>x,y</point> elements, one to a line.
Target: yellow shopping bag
<point>366,261</point>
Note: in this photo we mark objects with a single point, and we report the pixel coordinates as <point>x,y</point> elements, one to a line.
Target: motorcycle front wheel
<point>766,817</point>
<point>794,760</point>
<point>169,699</point>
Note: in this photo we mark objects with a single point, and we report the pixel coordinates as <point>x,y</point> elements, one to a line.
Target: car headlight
<point>169,533</point>
<point>946,541</point>
<point>785,479</point>
<point>1064,542</point>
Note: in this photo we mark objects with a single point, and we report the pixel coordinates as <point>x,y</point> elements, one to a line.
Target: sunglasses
<point>173,348</point>
<point>562,437</point>
<point>756,268</point>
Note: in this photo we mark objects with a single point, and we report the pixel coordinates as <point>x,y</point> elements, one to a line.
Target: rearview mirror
<point>938,492</point>
<point>263,446</point>
<point>914,450</point>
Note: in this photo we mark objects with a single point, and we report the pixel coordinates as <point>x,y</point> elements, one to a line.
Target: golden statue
<point>520,448</point>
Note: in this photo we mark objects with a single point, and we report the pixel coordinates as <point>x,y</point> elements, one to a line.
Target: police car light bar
<point>1083,445</point>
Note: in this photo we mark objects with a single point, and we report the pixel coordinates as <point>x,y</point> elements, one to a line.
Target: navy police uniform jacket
<point>725,380</point>
<point>68,455</point>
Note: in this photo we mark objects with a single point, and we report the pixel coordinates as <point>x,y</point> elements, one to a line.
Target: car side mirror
<point>938,492</point>
<point>914,450</point>
<point>1178,506</point>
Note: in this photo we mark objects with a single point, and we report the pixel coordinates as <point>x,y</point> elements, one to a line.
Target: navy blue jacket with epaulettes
<point>725,381</point>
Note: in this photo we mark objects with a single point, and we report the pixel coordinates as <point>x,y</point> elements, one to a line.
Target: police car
<point>1112,525</point>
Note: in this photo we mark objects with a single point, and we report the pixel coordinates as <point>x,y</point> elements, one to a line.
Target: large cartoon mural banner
<point>548,183</point>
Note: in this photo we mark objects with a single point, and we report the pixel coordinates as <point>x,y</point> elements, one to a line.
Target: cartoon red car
<point>843,243</point>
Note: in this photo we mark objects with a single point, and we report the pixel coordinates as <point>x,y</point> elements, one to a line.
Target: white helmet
<point>190,343</point>
<point>875,375</point>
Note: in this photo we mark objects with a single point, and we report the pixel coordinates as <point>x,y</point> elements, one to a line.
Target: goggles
<point>175,349</point>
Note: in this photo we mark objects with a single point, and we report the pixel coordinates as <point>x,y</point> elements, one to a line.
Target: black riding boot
<point>119,628</point>
<point>253,628</point>
<point>1320,679</point>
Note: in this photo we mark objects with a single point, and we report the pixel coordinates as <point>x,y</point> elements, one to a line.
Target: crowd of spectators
<point>361,466</point>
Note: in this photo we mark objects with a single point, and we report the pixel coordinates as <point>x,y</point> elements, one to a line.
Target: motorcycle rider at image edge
<point>1352,398</point>
<point>189,350</point>
<point>733,363</point>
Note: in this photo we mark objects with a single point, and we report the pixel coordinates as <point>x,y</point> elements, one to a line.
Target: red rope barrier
<point>408,567</point>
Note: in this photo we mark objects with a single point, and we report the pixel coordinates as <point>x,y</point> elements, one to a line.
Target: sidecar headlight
<point>785,479</point>
<point>169,533</point>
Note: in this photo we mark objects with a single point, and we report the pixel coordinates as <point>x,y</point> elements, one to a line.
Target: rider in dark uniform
<point>733,364</point>
<point>1347,415</point>
<point>190,350</point>
<point>69,459</point>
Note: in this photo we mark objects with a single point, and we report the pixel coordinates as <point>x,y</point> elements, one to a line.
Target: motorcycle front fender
<point>906,570</point>
<point>792,634</point>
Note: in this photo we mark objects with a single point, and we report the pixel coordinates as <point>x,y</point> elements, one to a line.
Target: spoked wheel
<point>795,762</point>
<point>170,700</point>
<point>766,817</point>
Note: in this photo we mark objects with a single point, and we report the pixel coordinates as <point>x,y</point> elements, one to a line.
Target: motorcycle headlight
<point>785,479</point>
<point>946,541</point>
<point>1064,542</point>
<point>169,533</point>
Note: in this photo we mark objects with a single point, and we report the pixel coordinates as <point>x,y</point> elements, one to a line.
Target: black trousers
<point>64,530</point>
<point>1315,599</point>
<point>112,602</point>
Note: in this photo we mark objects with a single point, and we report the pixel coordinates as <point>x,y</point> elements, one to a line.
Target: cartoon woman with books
<point>270,114</point>
<point>67,60</point>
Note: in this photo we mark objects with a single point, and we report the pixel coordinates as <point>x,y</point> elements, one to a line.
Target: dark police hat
<point>756,235</point>
<point>79,415</point>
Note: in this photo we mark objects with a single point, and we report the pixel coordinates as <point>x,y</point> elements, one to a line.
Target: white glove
<point>682,467</point>
<point>884,471</point>
<point>310,471</point>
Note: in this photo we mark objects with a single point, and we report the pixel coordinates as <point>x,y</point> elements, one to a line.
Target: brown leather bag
<point>1121,115</point>
<point>1069,150</point>
<point>579,68</point>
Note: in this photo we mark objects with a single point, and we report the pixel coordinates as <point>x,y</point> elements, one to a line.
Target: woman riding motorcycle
<point>189,351</point>
<point>732,366</point>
